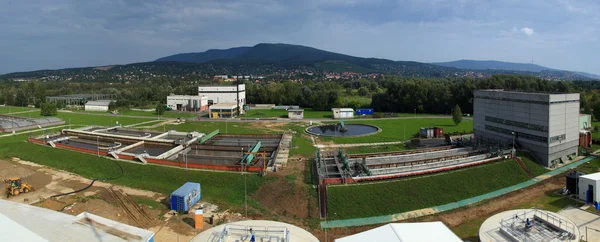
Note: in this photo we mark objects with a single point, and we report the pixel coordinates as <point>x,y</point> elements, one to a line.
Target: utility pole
<point>98,145</point>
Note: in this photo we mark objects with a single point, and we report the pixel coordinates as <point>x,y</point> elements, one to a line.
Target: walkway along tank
<point>185,197</point>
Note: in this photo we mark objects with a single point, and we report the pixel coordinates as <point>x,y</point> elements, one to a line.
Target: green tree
<point>457,115</point>
<point>160,109</point>
<point>363,91</point>
<point>112,106</point>
<point>596,111</point>
<point>48,109</point>
<point>21,98</point>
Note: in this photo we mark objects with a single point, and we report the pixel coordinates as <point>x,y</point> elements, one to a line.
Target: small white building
<point>341,113</point>
<point>401,232</point>
<point>295,113</point>
<point>589,187</point>
<point>100,105</point>
<point>187,103</point>
<point>223,110</point>
<point>224,94</point>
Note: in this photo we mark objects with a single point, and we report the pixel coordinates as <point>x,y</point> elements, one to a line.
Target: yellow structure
<point>199,219</point>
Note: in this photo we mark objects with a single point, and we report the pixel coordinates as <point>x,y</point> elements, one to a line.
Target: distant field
<point>167,114</point>
<point>12,109</point>
<point>393,129</point>
<point>87,119</point>
<point>365,200</point>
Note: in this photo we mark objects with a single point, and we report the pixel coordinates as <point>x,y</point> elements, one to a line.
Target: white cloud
<point>527,31</point>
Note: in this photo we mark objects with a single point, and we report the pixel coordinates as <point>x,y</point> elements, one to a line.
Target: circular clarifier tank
<point>348,130</point>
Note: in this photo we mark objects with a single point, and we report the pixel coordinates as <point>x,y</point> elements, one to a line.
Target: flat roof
<point>99,102</point>
<point>223,106</point>
<point>30,223</point>
<point>401,232</point>
<point>295,110</point>
<point>343,109</point>
<point>523,92</point>
<point>593,176</point>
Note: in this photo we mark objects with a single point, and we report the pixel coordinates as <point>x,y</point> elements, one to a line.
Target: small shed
<point>585,122</point>
<point>589,187</point>
<point>295,113</point>
<point>185,197</point>
<point>223,110</point>
<point>365,111</point>
<point>342,113</point>
<point>100,105</point>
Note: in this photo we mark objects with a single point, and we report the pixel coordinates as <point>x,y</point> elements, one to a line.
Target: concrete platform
<point>296,233</point>
<point>583,219</point>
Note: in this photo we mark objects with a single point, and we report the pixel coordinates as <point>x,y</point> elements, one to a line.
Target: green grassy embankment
<point>397,196</point>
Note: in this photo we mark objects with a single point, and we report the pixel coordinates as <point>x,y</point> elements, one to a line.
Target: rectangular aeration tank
<point>185,197</point>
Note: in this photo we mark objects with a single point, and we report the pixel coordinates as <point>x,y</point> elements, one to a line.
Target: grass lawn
<point>375,149</point>
<point>226,189</point>
<point>402,195</point>
<point>282,113</point>
<point>535,168</point>
<point>393,129</point>
<point>12,109</point>
<point>79,118</point>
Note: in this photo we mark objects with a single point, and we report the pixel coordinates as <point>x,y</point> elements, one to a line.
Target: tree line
<point>385,94</point>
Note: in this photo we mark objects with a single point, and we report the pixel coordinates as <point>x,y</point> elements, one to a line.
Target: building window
<point>518,134</point>
<point>517,124</point>
<point>557,138</point>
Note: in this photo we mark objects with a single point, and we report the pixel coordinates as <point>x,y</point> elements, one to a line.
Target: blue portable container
<point>365,111</point>
<point>185,197</point>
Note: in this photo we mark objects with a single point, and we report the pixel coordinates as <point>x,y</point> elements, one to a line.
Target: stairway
<point>522,165</point>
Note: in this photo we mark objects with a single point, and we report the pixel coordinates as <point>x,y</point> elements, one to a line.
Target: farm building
<point>341,113</point>
<point>100,105</point>
<point>223,110</point>
<point>23,222</point>
<point>589,187</point>
<point>585,122</point>
<point>296,113</point>
<point>399,232</point>
<point>546,124</point>
<point>187,103</point>
<point>224,94</point>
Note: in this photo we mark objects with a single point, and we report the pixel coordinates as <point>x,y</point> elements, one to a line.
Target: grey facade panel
<point>540,120</point>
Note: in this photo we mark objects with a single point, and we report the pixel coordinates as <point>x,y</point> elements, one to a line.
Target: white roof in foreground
<point>593,176</point>
<point>405,232</point>
<point>98,103</point>
<point>22,222</point>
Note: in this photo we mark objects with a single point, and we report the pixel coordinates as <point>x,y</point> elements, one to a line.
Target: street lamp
<point>98,145</point>
<point>513,144</point>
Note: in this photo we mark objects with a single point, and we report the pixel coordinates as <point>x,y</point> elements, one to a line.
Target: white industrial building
<point>589,187</point>
<point>401,232</point>
<point>224,94</point>
<point>546,124</point>
<point>295,113</point>
<point>341,113</point>
<point>187,103</point>
<point>23,222</point>
<point>100,105</point>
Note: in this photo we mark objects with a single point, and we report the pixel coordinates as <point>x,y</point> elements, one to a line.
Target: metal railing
<point>271,233</point>
<point>564,227</point>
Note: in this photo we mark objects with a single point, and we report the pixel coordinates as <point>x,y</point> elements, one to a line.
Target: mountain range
<point>277,59</point>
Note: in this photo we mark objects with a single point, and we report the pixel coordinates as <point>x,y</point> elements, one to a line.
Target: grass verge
<point>365,200</point>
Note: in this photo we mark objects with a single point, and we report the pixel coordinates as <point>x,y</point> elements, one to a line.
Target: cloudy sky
<point>41,34</point>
